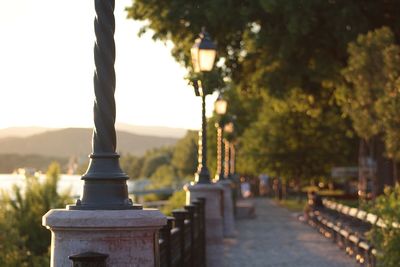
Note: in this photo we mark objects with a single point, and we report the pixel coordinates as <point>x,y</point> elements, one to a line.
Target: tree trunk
<point>384,168</point>
<point>366,170</point>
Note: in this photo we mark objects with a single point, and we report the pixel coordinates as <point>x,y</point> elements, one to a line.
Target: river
<point>67,183</point>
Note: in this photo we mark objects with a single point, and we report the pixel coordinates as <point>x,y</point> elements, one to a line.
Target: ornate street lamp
<point>105,185</point>
<point>203,55</point>
<point>220,107</point>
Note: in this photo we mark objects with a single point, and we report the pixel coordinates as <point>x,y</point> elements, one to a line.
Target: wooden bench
<point>347,227</point>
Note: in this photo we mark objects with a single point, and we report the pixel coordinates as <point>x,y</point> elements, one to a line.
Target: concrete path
<point>276,238</point>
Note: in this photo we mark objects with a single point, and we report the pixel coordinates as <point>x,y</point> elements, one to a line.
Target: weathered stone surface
<point>228,220</point>
<point>103,218</point>
<point>213,193</point>
<point>129,237</point>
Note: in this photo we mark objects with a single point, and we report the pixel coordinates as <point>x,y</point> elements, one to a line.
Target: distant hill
<point>22,131</point>
<point>152,130</point>
<point>77,142</point>
<point>160,131</point>
<point>12,162</point>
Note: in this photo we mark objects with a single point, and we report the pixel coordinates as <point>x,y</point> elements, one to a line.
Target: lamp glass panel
<point>229,127</point>
<point>220,106</point>
<point>206,59</point>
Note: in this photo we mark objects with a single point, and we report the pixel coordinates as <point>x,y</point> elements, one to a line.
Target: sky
<point>46,69</point>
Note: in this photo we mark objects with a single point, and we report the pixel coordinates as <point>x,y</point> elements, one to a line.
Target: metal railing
<point>182,239</point>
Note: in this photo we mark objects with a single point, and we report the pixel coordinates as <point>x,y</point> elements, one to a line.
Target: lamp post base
<point>128,237</point>
<point>229,221</point>
<point>202,176</point>
<point>105,185</point>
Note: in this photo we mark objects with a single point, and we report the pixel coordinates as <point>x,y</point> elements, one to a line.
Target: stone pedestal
<point>128,237</point>
<point>229,221</point>
<point>213,194</point>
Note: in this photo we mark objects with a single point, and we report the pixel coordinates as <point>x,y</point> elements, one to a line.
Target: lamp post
<point>229,151</point>
<point>203,55</point>
<point>220,107</point>
<point>230,162</point>
<point>229,224</point>
<point>104,223</point>
<point>105,185</point>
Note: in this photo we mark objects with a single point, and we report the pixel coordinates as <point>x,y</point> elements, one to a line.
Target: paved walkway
<point>275,238</point>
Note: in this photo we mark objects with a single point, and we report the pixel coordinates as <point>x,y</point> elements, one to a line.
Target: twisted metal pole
<point>227,164</point>
<point>104,137</point>
<point>105,183</point>
<point>219,174</point>
<point>232,158</point>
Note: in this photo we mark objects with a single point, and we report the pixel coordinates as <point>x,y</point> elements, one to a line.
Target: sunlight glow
<point>47,68</point>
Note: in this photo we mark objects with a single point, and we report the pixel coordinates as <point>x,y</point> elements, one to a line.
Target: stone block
<point>128,237</point>
<point>228,220</point>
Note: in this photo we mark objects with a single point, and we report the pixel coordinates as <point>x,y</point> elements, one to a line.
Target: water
<point>67,183</point>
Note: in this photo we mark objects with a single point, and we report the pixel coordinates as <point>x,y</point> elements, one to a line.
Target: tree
<point>365,82</point>
<point>369,96</point>
<point>274,49</point>
<point>300,140</point>
<point>268,44</point>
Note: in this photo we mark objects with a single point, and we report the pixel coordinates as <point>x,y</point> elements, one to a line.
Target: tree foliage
<point>274,45</point>
<point>23,239</point>
<point>153,161</point>
<point>132,165</point>
<point>11,162</point>
<point>184,158</point>
<point>370,93</point>
<point>300,139</point>
<point>387,239</point>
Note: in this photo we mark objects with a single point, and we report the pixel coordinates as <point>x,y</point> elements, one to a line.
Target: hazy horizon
<point>163,131</point>
<point>91,126</point>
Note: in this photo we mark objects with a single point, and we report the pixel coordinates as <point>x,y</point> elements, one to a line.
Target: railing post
<point>191,215</point>
<point>202,229</point>
<point>197,235</point>
<point>165,234</point>
<point>180,216</point>
<point>89,259</point>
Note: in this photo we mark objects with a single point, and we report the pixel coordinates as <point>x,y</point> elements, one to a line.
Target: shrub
<point>387,239</point>
<point>176,201</point>
<point>23,239</point>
